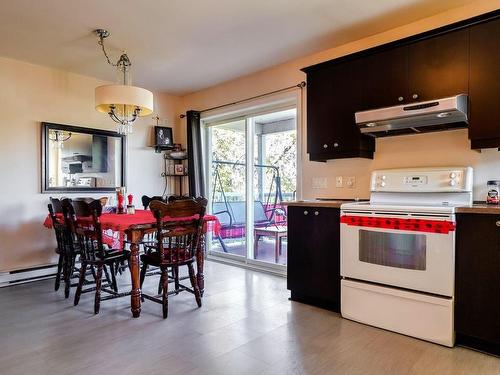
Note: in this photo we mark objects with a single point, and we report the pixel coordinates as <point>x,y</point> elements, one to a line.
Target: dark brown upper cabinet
<point>438,67</point>
<point>429,69</point>
<point>484,86</point>
<point>384,78</point>
<point>332,99</point>
<point>462,58</point>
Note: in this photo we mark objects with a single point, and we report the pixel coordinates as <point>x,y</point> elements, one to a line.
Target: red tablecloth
<point>115,225</point>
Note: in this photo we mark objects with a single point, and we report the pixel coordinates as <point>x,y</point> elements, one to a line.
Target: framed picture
<point>163,137</point>
<point>179,169</point>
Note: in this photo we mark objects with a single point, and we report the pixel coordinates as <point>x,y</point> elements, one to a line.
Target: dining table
<point>118,228</point>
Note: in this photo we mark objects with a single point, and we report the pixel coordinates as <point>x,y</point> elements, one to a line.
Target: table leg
<point>200,260</point>
<point>135,295</point>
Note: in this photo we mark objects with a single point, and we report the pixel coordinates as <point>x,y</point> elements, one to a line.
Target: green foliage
<point>279,149</point>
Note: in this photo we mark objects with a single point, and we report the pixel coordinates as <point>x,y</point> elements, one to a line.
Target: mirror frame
<point>46,126</point>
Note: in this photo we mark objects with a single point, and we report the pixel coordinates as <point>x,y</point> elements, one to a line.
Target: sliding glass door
<point>251,170</point>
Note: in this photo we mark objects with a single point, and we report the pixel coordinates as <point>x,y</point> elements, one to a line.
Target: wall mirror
<point>76,159</point>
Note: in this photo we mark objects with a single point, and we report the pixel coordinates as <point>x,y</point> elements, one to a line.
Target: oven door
<point>415,252</point>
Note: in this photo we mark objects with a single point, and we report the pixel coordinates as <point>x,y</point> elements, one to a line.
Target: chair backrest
<point>56,205</point>
<point>63,236</point>
<point>178,240</point>
<point>84,220</point>
<point>173,198</point>
<point>147,200</point>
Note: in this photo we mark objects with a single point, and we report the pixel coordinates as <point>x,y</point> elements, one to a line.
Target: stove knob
<point>453,175</point>
<point>453,183</point>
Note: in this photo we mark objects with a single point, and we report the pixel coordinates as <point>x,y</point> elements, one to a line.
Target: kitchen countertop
<point>479,208</point>
<point>319,203</point>
<point>476,208</point>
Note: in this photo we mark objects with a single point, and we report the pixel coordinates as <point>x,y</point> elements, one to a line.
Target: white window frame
<point>247,111</point>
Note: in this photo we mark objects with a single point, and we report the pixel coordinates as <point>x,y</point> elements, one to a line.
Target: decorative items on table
<point>130,206</point>
<point>120,199</point>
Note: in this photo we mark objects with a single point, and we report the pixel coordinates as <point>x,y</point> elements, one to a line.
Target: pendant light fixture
<point>122,101</point>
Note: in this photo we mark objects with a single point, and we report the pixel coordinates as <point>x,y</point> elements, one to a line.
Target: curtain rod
<point>301,85</point>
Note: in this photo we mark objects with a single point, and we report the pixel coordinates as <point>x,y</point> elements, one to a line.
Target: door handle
<point>306,212</point>
<point>498,223</point>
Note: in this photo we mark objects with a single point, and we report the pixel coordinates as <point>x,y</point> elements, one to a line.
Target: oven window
<point>399,250</point>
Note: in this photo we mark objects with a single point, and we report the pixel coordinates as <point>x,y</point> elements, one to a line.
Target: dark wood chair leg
<point>58,273</point>
<point>160,283</point>
<point>113,278</point>
<point>194,284</point>
<point>164,276</point>
<point>68,270</point>
<point>144,269</point>
<point>98,282</point>
<point>106,274</point>
<point>83,270</point>
<point>175,271</point>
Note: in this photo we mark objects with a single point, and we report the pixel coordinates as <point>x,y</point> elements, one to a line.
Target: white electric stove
<point>398,251</point>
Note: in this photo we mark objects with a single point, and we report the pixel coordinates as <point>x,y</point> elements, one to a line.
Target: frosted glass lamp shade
<point>125,99</point>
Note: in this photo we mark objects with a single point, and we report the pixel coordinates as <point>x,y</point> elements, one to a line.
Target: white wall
<point>450,148</point>
<point>31,94</point>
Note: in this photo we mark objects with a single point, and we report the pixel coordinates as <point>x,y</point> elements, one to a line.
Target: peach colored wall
<point>31,94</point>
<point>447,148</point>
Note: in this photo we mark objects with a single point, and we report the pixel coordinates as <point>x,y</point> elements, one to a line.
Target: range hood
<point>433,115</point>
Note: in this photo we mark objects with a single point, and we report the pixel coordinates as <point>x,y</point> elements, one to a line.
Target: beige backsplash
<point>451,148</point>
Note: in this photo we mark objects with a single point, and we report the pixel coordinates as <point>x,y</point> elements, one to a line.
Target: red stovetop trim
<point>414,225</point>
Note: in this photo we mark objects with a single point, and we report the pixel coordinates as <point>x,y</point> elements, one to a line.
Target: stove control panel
<point>448,179</point>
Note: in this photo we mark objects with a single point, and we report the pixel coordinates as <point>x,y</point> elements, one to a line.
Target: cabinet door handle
<point>325,146</point>
<point>400,99</point>
<point>316,213</point>
<point>415,96</point>
<point>306,212</point>
<point>498,223</point>
<point>335,144</point>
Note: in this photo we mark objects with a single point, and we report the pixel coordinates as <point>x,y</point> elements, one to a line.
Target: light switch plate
<point>339,182</point>
<point>319,183</point>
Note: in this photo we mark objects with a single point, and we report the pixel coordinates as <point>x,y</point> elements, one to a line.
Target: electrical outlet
<point>319,183</point>
<point>339,183</point>
<point>350,182</point>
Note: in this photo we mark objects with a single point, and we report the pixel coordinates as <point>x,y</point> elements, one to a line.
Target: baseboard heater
<point>27,275</point>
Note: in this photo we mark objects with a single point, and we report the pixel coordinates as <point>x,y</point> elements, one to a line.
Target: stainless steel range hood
<point>420,117</point>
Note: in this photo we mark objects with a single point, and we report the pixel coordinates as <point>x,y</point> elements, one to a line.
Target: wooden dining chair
<point>64,249</point>
<point>147,200</point>
<point>93,252</point>
<point>176,245</point>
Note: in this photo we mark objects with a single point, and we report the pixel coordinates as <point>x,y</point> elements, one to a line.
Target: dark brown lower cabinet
<point>477,305</point>
<point>314,256</point>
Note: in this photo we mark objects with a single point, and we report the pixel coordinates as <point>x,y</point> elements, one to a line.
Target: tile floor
<point>246,326</point>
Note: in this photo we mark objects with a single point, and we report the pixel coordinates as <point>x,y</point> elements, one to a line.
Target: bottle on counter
<point>493,192</point>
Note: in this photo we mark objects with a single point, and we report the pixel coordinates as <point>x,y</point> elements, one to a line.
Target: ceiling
<point>181,46</point>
